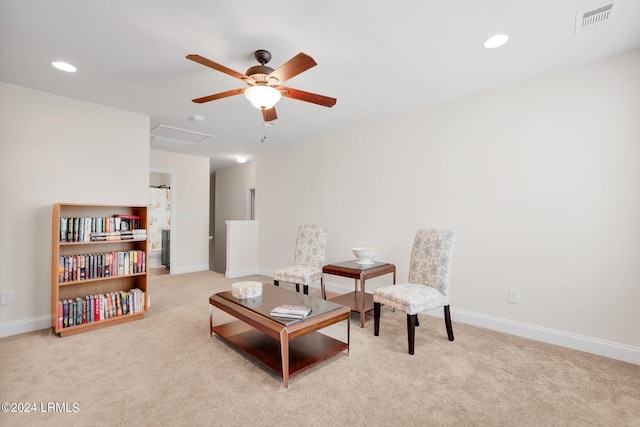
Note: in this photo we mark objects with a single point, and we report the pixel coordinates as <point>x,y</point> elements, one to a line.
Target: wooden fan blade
<point>209,63</point>
<point>219,95</point>
<point>269,114</point>
<point>296,65</point>
<point>307,96</point>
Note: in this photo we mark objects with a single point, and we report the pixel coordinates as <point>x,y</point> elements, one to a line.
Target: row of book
<point>72,268</point>
<point>94,308</point>
<point>82,229</point>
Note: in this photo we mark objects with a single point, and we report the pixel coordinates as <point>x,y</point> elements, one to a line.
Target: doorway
<point>251,205</point>
<point>160,219</point>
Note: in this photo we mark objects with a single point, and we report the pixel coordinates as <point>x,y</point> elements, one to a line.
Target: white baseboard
<point>263,272</point>
<point>232,274</point>
<point>188,269</point>
<point>25,325</point>
<point>608,349</point>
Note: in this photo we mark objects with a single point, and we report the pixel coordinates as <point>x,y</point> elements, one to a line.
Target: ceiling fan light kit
<point>262,97</point>
<point>264,82</point>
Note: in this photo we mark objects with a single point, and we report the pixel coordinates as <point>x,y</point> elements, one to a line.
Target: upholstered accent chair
<point>309,259</point>
<point>428,286</point>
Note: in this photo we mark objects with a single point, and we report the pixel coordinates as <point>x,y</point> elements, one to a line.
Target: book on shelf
<point>75,230</point>
<point>73,268</point>
<point>107,306</point>
<point>291,311</point>
<point>118,299</point>
<point>95,300</point>
<point>60,314</point>
<point>86,229</point>
<point>97,307</point>
<point>71,320</point>
<point>78,303</point>
<point>63,229</point>
<point>65,313</point>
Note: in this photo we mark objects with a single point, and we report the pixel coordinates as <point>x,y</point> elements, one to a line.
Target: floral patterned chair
<point>309,259</point>
<point>428,286</point>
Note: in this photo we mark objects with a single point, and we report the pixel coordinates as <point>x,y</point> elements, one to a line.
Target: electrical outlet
<point>6,297</point>
<point>514,296</point>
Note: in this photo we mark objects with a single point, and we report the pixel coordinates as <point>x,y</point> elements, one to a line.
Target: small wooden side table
<point>358,301</point>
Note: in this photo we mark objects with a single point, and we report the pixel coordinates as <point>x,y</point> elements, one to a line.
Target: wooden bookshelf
<point>114,282</point>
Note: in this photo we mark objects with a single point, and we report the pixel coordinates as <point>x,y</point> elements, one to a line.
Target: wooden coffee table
<point>359,301</point>
<point>285,347</point>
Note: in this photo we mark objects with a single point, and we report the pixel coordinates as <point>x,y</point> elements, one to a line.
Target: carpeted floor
<point>166,370</point>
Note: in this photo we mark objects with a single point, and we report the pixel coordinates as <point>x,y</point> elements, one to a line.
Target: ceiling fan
<point>263,82</point>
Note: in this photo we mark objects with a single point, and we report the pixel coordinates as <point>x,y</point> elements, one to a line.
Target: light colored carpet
<point>166,370</point>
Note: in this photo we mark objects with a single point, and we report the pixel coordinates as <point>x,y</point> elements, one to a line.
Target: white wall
<point>190,193</point>
<point>56,149</point>
<point>242,249</point>
<point>157,179</point>
<point>540,179</point>
<point>232,203</point>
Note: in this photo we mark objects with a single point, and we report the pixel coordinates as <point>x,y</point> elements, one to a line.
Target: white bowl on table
<point>365,255</point>
<point>245,290</point>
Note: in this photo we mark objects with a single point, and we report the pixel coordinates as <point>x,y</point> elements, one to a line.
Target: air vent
<point>178,135</point>
<point>594,19</point>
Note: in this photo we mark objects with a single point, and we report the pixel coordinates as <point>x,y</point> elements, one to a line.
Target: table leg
<point>348,334</point>
<point>210,320</point>
<point>284,352</point>
<point>362,313</point>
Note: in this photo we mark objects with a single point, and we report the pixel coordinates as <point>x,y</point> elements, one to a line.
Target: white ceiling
<point>377,58</point>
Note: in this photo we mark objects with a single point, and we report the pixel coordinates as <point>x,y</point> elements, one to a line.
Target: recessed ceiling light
<point>64,66</point>
<point>496,41</point>
<point>241,159</point>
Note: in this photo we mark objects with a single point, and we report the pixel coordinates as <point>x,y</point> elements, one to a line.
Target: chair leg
<point>376,318</point>
<point>324,291</point>
<point>276,282</point>
<point>447,322</point>
<point>297,287</point>
<point>305,289</point>
<point>417,321</point>
<point>411,331</point>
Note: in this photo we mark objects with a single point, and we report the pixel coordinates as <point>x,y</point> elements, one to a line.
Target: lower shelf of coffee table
<point>304,352</point>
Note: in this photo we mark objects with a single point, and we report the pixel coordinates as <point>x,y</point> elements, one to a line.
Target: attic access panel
<point>178,135</point>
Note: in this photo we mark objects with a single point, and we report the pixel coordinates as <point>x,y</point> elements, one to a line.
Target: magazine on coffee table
<point>291,311</point>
